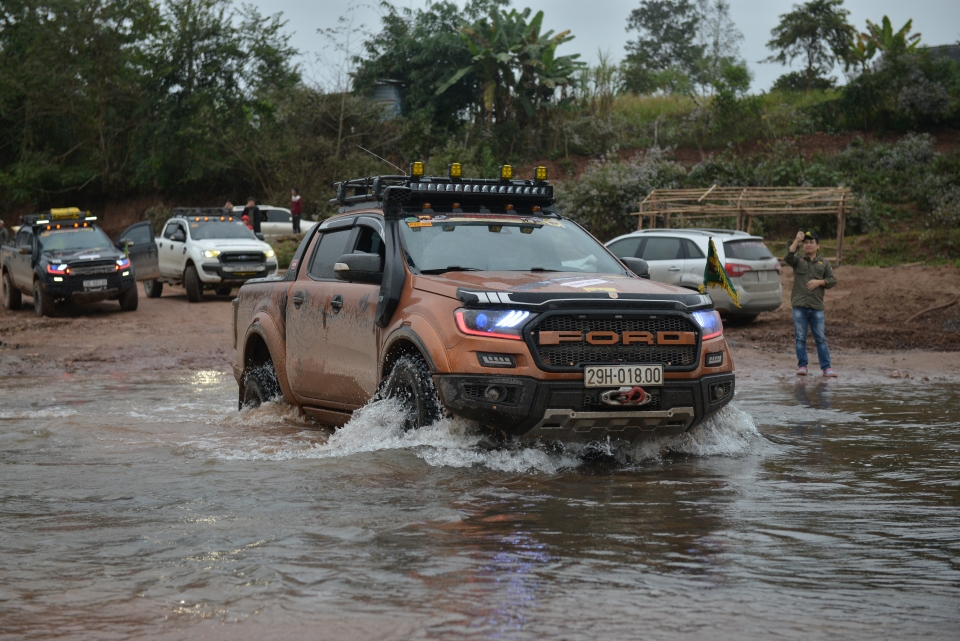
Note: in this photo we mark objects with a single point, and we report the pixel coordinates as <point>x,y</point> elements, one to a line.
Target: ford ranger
<point>61,255</point>
<point>475,298</point>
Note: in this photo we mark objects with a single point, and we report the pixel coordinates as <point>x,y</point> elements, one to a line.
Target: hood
<point>81,255</point>
<point>538,288</point>
<point>231,244</point>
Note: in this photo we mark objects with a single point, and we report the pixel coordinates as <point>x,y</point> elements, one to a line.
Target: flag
<point>715,276</point>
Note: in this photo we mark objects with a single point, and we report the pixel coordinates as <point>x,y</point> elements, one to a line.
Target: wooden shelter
<point>673,207</point>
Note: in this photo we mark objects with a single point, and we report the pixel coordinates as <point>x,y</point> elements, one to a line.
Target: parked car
<point>475,297</point>
<point>679,256</point>
<point>277,221</point>
<point>205,249</point>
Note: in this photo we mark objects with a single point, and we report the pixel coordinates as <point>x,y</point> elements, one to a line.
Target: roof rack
<point>57,215</point>
<point>371,189</point>
<point>187,212</point>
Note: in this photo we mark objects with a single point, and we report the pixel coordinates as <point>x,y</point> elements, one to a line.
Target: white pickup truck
<point>208,249</point>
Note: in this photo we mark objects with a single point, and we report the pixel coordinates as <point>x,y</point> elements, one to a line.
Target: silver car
<point>277,221</point>
<point>679,257</point>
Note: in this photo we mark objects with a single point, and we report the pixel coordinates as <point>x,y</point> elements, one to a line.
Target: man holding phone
<point>812,275</point>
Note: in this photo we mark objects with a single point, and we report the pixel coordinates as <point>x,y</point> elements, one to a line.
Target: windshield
<point>211,230</point>
<point>493,242</point>
<point>71,240</point>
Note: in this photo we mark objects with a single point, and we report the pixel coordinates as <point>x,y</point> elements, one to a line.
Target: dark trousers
<point>296,224</point>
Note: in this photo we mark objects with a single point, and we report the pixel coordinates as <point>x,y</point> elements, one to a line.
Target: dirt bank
<point>866,326</point>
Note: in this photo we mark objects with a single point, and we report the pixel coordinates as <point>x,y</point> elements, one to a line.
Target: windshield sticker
<point>581,284</point>
<point>412,219</point>
<point>425,223</point>
<point>600,289</point>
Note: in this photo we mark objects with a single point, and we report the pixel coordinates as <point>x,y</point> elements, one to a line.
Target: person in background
<point>252,212</point>
<point>296,209</point>
<point>228,208</point>
<point>812,275</point>
<point>4,234</point>
<point>246,221</point>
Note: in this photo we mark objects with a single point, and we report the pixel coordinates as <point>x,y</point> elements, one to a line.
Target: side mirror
<point>25,250</point>
<point>179,236</point>
<point>124,242</point>
<point>258,235</point>
<point>359,268</point>
<point>638,266</point>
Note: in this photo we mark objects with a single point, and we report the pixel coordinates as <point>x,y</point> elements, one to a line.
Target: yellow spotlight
<point>506,172</point>
<point>509,207</point>
<point>455,169</point>
<point>416,169</point>
<point>540,173</point>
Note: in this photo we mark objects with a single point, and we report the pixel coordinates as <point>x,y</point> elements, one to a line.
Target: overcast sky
<point>599,24</point>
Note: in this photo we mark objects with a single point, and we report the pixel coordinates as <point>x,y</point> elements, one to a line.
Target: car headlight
<point>709,321</point>
<point>211,253</point>
<point>271,253</point>
<point>493,323</point>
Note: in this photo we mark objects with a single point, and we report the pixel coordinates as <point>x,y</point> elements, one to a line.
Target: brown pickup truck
<point>473,297</point>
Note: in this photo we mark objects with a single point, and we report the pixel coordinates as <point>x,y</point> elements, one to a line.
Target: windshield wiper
<point>542,269</point>
<point>450,268</point>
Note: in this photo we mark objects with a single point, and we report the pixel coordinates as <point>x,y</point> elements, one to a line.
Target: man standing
<point>812,274</point>
<point>296,209</point>
<point>4,235</point>
<point>252,212</point>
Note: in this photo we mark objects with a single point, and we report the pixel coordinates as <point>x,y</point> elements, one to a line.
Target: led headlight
<point>123,263</point>
<point>493,323</point>
<point>709,322</point>
<point>271,253</point>
<point>211,253</point>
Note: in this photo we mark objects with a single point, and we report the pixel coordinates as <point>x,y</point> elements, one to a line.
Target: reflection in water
<point>134,507</point>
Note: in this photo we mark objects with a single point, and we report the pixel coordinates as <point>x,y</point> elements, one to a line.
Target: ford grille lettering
<point>613,338</point>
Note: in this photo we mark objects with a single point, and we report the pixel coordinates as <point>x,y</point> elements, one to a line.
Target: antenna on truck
<point>384,160</point>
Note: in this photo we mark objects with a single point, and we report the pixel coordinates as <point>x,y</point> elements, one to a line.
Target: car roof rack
<point>370,191</point>
<point>188,212</point>
<point>705,231</point>
<point>63,214</point>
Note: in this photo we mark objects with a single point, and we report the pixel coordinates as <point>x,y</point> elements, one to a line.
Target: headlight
<point>271,253</point>
<point>211,253</point>
<point>709,321</point>
<point>123,263</point>
<point>493,323</point>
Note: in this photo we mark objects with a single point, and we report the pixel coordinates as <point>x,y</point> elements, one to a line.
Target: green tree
<point>817,32</point>
<point>881,38</point>
<point>666,48</point>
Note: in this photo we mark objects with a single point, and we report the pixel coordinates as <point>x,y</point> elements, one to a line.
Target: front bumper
<point>566,410</point>
<point>216,273</point>
<point>72,288</point>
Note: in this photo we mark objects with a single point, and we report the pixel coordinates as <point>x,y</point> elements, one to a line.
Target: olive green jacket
<point>805,270</point>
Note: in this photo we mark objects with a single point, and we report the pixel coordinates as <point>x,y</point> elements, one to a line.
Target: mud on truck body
<point>474,297</point>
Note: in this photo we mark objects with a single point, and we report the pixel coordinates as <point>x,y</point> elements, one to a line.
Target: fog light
<point>494,393</point>
<point>715,359</point>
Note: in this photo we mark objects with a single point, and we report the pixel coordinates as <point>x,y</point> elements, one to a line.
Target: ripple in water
<point>454,442</point>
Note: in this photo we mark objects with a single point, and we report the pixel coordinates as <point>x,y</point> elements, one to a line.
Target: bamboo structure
<point>665,207</point>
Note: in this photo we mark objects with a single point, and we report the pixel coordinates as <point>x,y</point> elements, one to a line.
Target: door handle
<point>297,299</point>
<point>336,302</point>
<point>674,269</point>
<point>184,250</point>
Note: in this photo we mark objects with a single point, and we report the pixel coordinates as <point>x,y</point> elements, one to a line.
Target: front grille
<point>243,257</point>
<point>89,269</point>
<point>572,355</point>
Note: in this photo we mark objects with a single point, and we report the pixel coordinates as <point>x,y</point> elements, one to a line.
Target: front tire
<point>153,288</point>
<point>224,290</point>
<point>12,299</point>
<point>411,384</point>
<point>42,301</point>
<point>258,385</point>
<point>191,282</point>
<point>129,300</point>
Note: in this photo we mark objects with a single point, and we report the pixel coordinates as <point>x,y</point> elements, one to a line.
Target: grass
<point>649,108</point>
<point>286,247</point>
<point>933,247</point>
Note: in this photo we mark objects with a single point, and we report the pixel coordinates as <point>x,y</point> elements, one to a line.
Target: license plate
<point>98,283</point>
<point>253,269</point>
<point>619,375</point>
<point>762,277</point>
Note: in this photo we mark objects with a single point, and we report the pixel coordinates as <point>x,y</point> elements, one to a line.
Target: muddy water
<point>136,506</point>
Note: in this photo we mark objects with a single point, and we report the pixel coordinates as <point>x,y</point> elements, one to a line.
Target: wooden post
<point>740,214</point>
<point>640,217</point>
<point>841,225</point>
<point>749,223</point>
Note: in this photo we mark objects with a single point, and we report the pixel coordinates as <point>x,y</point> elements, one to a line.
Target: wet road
<point>145,505</point>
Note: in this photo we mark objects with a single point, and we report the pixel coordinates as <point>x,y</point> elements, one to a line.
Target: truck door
<point>22,264</point>
<point>165,250</point>
<point>309,314</point>
<point>350,345</point>
<point>142,249</point>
